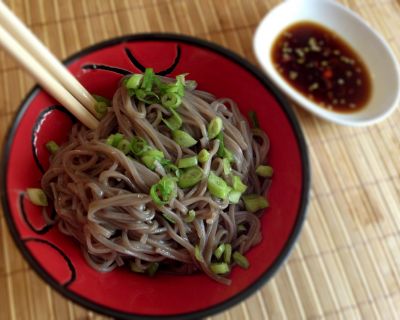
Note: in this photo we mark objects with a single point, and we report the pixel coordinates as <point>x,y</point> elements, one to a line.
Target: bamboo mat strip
<point>346,264</point>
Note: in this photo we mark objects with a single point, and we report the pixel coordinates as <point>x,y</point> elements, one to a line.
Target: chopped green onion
<point>190,177</point>
<point>135,268</point>
<point>227,166</point>
<point>265,171</point>
<point>197,253</point>
<point>169,218</point>
<point>174,122</point>
<point>187,162</point>
<point>203,156</point>
<point>148,97</point>
<point>234,196</point>
<point>241,228</point>
<point>217,186</point>
<point>101,105</point>
<point>155,153</point>
<point>228,155</point>
<point>221,148</point>
<point>214,127</point>
<point>139,146</point>
<point>150,156</point>
<point>124,145</point>
<point>37,197</point>
<point>241,260</point>
<point>254,119</point>
<point>101,108</point>
<point>180,84</point>
<point>169,167</point>
<point>183,138</point>
<point>191,215</point>
<point>238,185</point>
<point>149,162</point>
<point>228,253</point>
<point>101,99</point>
<point>219,268</point>
<point>114,139</point>
<point>152,268</point>
<point>163,191</point>
<point>254,202</point>
<point>148,79</point>
<point>133,82</point>
<point>171,100</point>
<point>219,251</point>
<point>52,147</point>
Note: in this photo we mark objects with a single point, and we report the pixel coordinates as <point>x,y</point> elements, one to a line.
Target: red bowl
<point>120,293</point>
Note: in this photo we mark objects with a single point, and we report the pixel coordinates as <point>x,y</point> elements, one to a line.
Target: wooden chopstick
<point>28,50</point>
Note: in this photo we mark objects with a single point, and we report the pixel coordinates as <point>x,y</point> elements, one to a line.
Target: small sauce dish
<point>378,57</point>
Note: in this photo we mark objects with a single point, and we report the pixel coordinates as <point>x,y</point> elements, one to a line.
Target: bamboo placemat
<point>347,261</point>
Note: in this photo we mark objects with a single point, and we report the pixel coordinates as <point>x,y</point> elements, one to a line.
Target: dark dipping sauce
<point>323,67</point>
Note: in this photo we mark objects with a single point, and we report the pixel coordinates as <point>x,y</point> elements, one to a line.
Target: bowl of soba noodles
<point>186,198</point>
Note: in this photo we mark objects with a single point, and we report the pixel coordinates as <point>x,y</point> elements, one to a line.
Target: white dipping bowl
<point>370,46</point>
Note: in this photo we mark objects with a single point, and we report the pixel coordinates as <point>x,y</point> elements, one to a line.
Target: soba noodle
<point>101,195</point>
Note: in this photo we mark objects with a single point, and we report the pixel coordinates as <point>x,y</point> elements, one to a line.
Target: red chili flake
<point>328,74</point>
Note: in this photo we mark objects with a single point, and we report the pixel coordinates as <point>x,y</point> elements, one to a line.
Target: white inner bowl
<point>370,46</point>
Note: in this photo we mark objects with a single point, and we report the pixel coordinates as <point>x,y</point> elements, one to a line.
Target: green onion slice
<point>135,268</point>
<point>174,122</point>
<point>221,148</point>
<point>180,84</point>
<point>241,260</point>
<point>52,147</point>
<point>228,155</point>
<point>171,100</point>
<point>37,197</point>
<point>214,127</point>
<point>228,253</point>
<point>217,186</point>
<point>265,171</point>
<point>98,98</point>
<point>234,196</point>
<point>255,202</point>
<point>163,191</point>
<point>133,82</point>
<point>241,228</point>
<point>190,177</point>
<point>169,167</point>
<point>226,166</point>
<point>150,156</point>
<point>197,253</point>
<point>139,146</point>
<point>148,97</point>
<point>100,108</point>
<point>125,146</point>
<point>187,162</point>
<point>191,215</point>
<point>219,268</point>
<point>148,79</point>
<point>183,138</point>
<point>219,251</point>
<point>152,268</point>
<point>238,185</point>
<point>114,139</point>
<point>203,156</point>
<point>158,154</point>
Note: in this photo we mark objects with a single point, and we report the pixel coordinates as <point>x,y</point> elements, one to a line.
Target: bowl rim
<point>253,287</point>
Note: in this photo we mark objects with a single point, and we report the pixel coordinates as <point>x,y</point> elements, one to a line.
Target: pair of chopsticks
<point>48,71</point>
